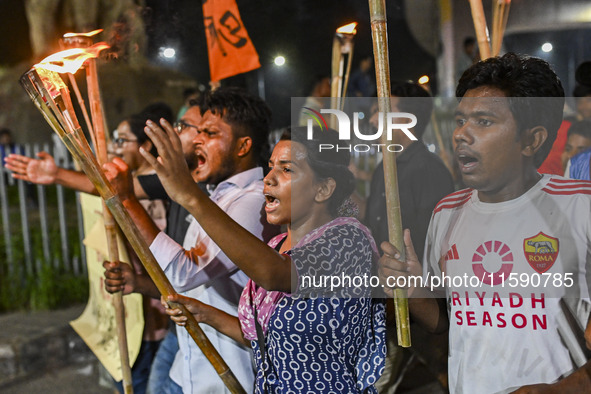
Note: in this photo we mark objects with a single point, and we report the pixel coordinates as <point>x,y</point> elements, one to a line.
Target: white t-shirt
<point>516,270</point>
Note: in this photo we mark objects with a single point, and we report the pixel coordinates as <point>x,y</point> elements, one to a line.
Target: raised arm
<point>261,263</point>
<point>44,171</point>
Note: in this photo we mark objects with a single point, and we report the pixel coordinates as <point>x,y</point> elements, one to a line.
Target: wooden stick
<point>503,22</point>
<point>81,152</point>
<point>377,11</point>
<point>82,106</point>
<point>335,79</point>
<point>502,8</point>
<point>495,24</point>
<point>100,147</point>
<point>480,28</point>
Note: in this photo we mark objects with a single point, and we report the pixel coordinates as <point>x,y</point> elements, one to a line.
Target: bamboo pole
<point>110,225</point>
<point>74,140</point>
<point>496,5</point>
<point>379,33</point>
<point>500,16</point>
<point>504,17</point>
<point>79,42</point>
<point>335,79</point>
<point>82,107</point>
<point>97,134</point>
<point>342,55</point>
<point>480,28</point>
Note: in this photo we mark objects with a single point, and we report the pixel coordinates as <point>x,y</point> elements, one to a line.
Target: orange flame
<point>347,29</point>
<point>89,34</point>
<point>70,60</point>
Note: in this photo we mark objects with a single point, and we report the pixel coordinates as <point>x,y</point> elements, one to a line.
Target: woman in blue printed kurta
<point>319,344</point>
<point>306,338</point>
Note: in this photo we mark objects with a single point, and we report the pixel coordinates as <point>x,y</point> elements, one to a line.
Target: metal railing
<point>40,224</point>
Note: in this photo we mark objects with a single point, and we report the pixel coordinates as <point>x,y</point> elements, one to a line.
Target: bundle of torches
<point>490,46</point>
<point>51,95</point>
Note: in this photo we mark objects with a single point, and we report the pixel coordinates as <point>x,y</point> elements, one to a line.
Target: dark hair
<point>5,131</point>
<point>327,163</point>
<point>248,115</point>
<point>420,107</point>
<point>153,112</point>
<point>582,128</point>
<point>188,92</point>
<point>522,78</point>
<point>469,41</point>
<point>198,102</point>
<point>582,91</point>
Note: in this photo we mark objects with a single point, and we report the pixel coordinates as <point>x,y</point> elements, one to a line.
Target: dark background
<point>302,31</point>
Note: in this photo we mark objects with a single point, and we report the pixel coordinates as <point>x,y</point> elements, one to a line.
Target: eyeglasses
<point>120,141</point>
<point>180,126</point>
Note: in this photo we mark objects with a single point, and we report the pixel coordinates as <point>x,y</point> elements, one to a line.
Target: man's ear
<point>325,190</point>
<point>244,145</point>
<point>533,139</point>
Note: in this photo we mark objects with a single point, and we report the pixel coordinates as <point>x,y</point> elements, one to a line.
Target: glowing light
<point>424,79</point>
<point>347,29</point>
<point>279,61</point>
<point>547,47</point>
<point>168,53</point>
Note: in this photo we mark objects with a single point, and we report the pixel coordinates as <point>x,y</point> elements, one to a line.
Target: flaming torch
<point>342,54</point>
<point>379,34</point>
<point>49,93</point>
<point>97,133</point>
<point>80,40</point>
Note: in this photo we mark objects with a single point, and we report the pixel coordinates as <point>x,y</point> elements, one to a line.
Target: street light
<point>547,47</point>
<point>167,53</point>
<point>424,79</point>
<point>279,61</point>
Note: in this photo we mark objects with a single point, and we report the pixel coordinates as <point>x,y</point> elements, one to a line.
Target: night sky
<point>301,30</point>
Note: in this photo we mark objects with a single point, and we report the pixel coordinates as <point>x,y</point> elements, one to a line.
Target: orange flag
<point>230,49</point>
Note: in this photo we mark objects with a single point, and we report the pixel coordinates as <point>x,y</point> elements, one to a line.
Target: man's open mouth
<point>271,201</point>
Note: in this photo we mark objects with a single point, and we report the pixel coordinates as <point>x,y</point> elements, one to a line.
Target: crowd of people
<point>237,228</point>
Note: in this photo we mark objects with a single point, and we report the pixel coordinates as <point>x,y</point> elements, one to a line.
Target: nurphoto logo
<point>402,121</point>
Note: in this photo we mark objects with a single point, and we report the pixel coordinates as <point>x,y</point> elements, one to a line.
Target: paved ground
<point>72,379</point>
<point>41,353</point>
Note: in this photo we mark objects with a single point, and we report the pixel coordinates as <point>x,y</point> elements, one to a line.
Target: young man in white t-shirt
<point>507,257</point>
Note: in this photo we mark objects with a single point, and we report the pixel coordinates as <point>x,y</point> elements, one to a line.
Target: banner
<point>96,326</point>
<point>230,49</point>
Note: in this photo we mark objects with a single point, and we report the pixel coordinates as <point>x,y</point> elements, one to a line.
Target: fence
<point>41,225</point>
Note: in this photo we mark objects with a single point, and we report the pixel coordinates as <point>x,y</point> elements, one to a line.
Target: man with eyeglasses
<point>230,145</point>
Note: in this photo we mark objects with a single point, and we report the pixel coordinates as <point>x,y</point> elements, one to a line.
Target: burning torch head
<point>79,40</point>
<point>48,91</point>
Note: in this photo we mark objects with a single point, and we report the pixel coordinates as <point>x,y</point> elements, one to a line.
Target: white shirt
<point>503,333</point>
<point>199,269</point>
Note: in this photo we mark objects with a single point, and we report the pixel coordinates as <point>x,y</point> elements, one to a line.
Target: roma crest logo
<point>540,251</point>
